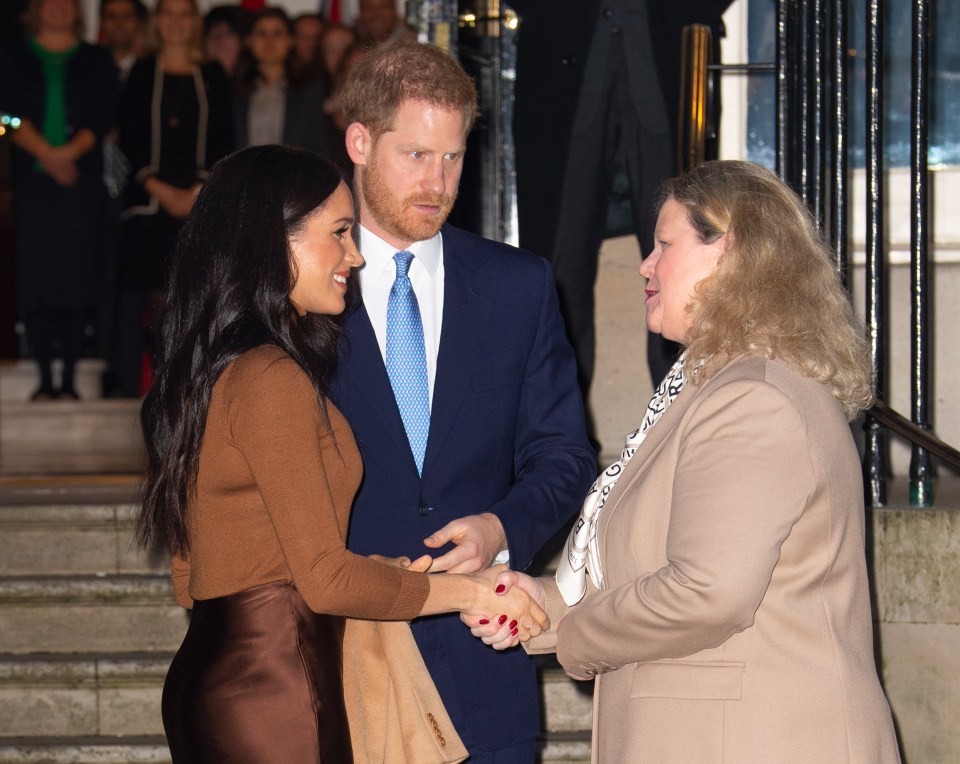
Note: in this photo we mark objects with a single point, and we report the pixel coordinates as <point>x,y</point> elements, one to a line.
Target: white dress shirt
<point>426,276</point>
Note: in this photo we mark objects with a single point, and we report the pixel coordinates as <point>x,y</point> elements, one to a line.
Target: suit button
<point>425,509</point>
<point>607,13</point>
<point>568,60</point>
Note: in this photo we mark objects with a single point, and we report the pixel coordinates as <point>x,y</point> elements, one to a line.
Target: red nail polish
<point>513,633</point>
<point>513,625</point>
<point>484,621</point>
<point>502,620</point>
<point>500,588</point>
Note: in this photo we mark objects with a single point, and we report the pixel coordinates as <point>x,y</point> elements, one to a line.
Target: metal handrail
<point>695,59</point>
<point>699,92</point>
<point>899,424</point>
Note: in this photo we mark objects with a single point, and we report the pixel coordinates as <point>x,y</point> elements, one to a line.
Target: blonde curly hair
<point>775,291</point>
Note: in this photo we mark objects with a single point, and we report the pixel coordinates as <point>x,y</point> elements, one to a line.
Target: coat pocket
<point>695,680</point>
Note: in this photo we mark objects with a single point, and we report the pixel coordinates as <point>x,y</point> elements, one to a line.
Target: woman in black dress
<point>175,123</point>
<point>64,92</point>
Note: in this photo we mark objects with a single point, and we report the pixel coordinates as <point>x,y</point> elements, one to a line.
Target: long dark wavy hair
<point>229,292</point>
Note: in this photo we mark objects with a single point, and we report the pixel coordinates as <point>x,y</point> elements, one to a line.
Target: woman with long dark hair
<point>252,472</point>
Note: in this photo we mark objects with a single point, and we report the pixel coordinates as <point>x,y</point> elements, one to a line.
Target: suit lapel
<point>370,383</point>
<point>465,311</point>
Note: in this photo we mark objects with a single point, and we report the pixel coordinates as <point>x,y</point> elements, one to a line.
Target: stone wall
<point>916,576</point>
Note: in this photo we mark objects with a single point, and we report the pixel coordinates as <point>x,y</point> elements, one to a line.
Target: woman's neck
<point>271,73</point>
<point>56,41</point>
<point>175,59</point>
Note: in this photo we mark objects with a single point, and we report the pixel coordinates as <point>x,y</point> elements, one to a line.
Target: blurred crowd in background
<point>114,140</point>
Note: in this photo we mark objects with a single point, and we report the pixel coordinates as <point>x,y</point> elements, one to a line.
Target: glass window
<point>944,114</point>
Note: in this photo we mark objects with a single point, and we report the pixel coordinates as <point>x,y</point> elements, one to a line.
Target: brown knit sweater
<point>273,495</point>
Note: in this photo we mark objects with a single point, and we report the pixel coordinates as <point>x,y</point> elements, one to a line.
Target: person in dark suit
<point>596,93</point>
<point>476,449</point>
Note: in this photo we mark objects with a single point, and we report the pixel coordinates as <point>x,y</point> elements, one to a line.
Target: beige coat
<point>735,622</point>
<point>395,712</point>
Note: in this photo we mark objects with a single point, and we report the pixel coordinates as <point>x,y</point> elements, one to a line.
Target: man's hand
<point>478,539</point>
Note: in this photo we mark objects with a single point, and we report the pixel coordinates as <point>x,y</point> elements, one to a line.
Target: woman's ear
<point>359,143</point>
<point>727,242</point>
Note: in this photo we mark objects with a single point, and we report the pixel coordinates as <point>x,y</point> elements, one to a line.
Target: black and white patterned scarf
<point>581,552</point>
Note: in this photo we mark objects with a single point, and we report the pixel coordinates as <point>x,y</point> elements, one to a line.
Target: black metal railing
<point>812,70</point>
<point>921,466</point>
<point>876,460</point>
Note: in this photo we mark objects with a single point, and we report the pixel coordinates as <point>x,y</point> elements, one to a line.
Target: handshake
<point>501,606</point>
<point>516,593</point>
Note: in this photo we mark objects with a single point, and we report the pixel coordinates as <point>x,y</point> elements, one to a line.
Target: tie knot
<point>403,260</point>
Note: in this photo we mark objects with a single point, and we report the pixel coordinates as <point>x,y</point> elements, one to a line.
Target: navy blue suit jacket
<point>506,436</point>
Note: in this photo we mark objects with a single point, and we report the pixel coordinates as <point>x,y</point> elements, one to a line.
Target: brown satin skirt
<point>258,678</point>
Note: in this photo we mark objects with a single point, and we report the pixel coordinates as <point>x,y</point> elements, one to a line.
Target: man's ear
<point>359,143</point>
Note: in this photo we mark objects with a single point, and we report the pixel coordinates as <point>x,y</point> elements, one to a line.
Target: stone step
<point>567,703</point>
<point>89,614</point>
<point>70,436</point>
<point>566,748</point>
<point>81,695</point>
<point>106,708</point>
<point>85,750</point>
<point>73,539</point>
<point>119,694</point>
<point>69,490</point>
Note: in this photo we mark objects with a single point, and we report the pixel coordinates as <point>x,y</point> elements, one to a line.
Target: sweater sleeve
<point>276,422</point>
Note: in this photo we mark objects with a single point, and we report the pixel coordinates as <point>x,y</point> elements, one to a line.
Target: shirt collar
<point>379,254</point>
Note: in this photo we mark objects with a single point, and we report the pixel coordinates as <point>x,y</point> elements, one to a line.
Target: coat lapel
<point>465,312</point>
<point>656,437</point>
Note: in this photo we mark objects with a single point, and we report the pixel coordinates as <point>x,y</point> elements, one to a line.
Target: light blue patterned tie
<point>407,360</point>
